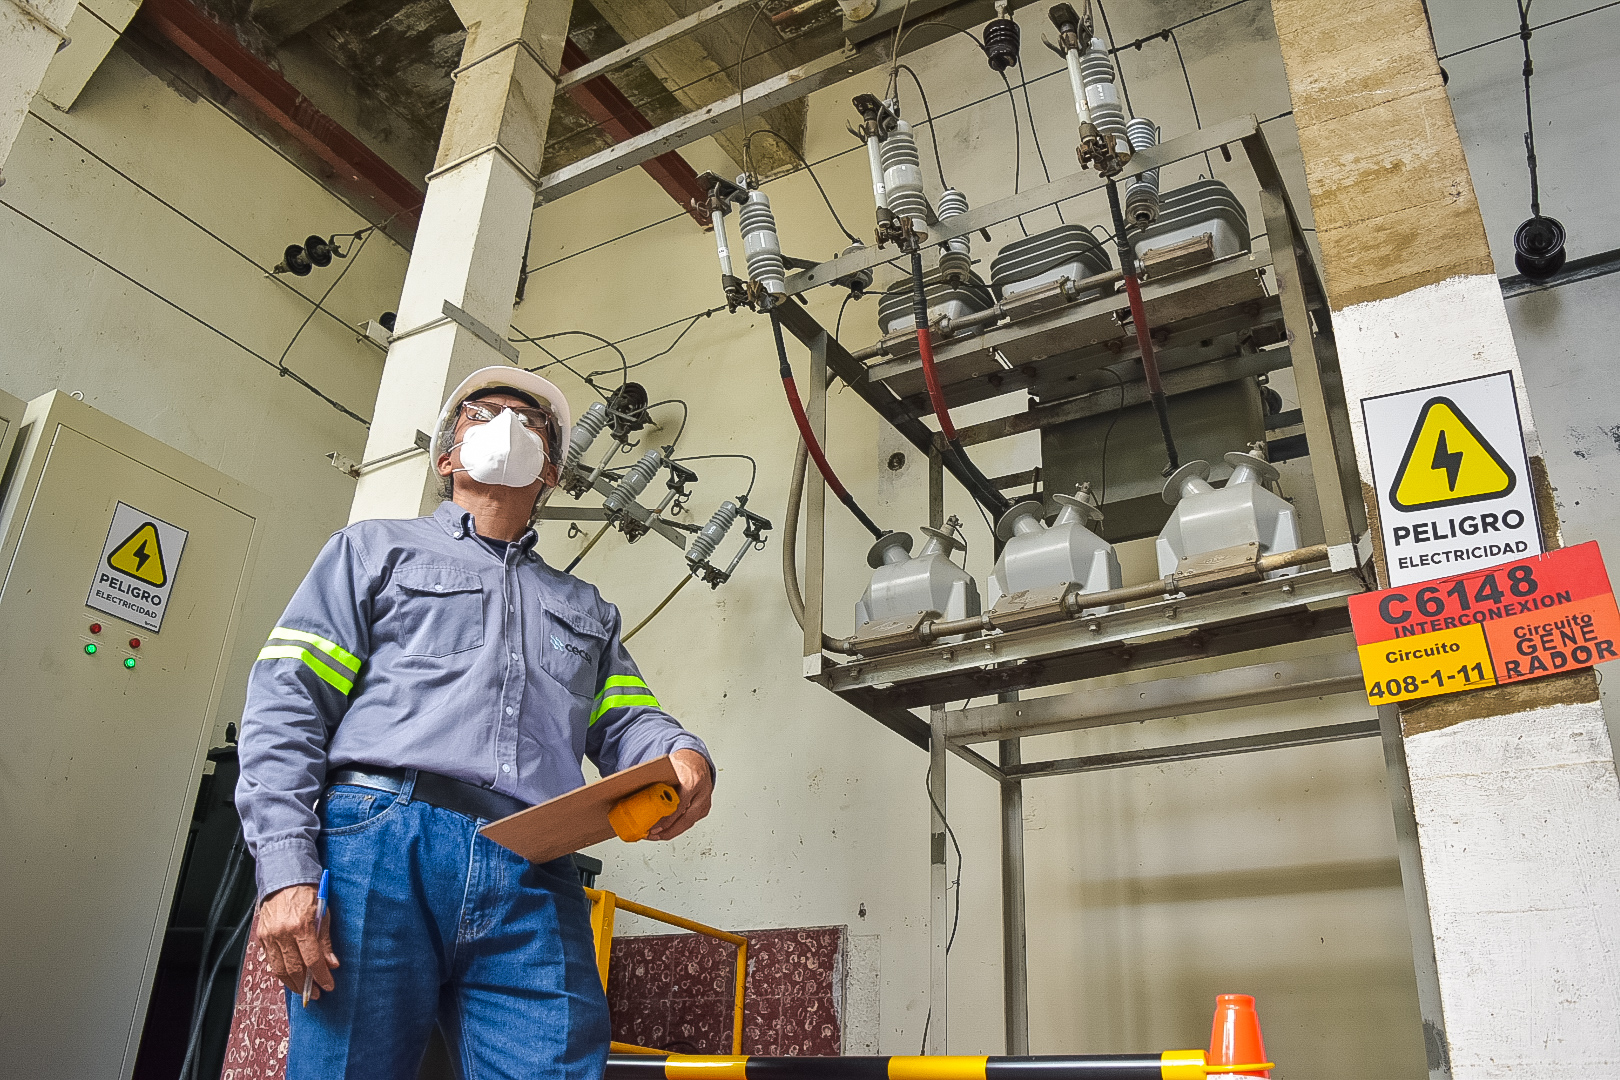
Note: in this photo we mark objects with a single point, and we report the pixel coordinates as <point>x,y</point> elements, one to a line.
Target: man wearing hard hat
<point>430,676</point>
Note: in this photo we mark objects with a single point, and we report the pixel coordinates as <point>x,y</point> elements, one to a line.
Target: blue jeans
<point>433,923</point>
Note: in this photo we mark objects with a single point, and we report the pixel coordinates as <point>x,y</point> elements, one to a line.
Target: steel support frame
<point>791,85</point>
<point>617,115</point>
<point>1174,629</point>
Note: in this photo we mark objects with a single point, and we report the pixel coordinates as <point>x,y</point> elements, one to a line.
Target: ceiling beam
<point>607,107</point>
<point>216,48</point>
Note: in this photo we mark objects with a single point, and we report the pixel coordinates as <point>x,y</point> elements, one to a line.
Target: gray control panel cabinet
<point>101,749</point>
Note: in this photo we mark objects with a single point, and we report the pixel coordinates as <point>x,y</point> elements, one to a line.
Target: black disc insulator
<point>1001,40</point>
<point>293,260</point>
<point>1538,247</point>
<point>318,250</point>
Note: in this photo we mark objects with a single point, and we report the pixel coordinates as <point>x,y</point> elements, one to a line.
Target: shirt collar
<point>459,523</point>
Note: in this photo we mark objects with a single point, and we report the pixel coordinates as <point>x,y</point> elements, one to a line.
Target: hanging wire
<point>1529,113</point>
<point>742,87</point>
<point>748,140</point>
<point>839,325</point>
<point>1119,69</point>
<point>624,361</point>
<point>199,320</point>
<point>671,346</point>
<point>754,465</point>
<point>1187,77</point>
<point>1018,151</point>
<point>355,248</point>
<point>1029,111</point>
<point>1102,493</point>
<point>673,443</point>
<point>956,917</point>
<point>1541,26</point>
<point>933,132</point>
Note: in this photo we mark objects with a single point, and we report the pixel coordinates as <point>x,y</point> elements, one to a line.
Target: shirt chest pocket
<point>571,649</point>
<point>439,610</point>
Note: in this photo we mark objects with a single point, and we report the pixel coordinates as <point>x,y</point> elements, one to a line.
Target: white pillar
<point>469,245</point>
<point>31,31</point>
<point>1513,789</point>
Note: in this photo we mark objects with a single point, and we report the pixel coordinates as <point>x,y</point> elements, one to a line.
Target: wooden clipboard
<point>578,819</point>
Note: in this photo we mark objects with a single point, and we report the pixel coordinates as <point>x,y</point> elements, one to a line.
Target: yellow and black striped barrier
<point>1170,1065</point>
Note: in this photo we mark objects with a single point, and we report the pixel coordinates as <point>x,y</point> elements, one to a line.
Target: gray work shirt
<point>411,645</point>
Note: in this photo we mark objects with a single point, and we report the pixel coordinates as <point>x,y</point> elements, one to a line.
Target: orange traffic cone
<point>1234,1040</point>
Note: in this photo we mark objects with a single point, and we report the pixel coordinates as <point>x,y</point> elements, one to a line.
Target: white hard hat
<point>518,379</point>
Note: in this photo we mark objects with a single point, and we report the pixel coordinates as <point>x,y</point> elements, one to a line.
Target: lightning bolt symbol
<point>141,554</point>
<point>1451,462</point>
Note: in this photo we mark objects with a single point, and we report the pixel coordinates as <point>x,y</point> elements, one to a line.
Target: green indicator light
<point>129,662</point>
<point>90,650</point>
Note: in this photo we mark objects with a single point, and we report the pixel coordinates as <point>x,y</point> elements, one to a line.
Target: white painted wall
<point>1151,889</point>
<point>69,323</point>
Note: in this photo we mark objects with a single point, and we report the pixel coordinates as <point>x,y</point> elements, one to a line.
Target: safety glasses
<point>541,421</point>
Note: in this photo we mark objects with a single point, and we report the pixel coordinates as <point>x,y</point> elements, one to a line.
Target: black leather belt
<point>444,792</point>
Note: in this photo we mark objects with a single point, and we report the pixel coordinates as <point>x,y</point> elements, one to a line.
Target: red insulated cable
<point>931,376</point>
<point>1144,335</point>
<point>802,422</point>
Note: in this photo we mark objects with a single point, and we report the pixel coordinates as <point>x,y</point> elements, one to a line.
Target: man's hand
<point>292,942</point>
<point>695,783</point>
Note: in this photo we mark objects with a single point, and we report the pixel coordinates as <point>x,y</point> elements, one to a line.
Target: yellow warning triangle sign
<point>141,556</point>
<point>1448,462</point>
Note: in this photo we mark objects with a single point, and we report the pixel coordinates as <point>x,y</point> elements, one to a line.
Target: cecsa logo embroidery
<point>570,647</point>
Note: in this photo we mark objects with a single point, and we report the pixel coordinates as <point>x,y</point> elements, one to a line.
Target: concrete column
<point>469,245</point>
<point>1513,789</point>
<point>31,32</point>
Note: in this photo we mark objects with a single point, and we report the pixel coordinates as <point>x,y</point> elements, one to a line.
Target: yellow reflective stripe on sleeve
<point>311,661</point>
<point>331,648</point>
<point>622,701</point>
<point>621,680</point>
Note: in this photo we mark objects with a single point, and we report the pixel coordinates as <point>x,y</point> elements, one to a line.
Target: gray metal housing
<point>1036,555</point>
<point>902,585</point>
<point>1243,512</point>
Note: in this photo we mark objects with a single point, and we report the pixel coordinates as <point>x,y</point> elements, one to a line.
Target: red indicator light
<point>95,628</point>
<point>134,642</point>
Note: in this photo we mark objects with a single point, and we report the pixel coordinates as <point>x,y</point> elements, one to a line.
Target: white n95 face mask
<point>503,452</point>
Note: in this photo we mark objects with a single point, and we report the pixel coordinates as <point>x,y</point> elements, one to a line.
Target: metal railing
<point>605,905</point>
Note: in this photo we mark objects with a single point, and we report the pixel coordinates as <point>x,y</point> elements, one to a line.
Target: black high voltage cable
<point>1029,111</point>
<point>249,259</point>
<point>831,209</point>
<point>1018,149</point>
<point>199,320</point>
<point>1191,97</point>
<point>933,132</point>
<point>1533,29</point>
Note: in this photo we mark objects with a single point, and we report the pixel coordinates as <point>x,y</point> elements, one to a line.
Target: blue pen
<point>320,920</point>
